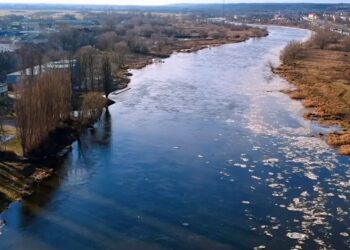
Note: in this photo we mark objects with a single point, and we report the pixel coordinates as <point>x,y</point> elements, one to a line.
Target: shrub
<point>291,52</point>
<point>91,107</point>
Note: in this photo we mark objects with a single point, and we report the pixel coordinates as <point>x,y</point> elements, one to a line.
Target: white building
<point>3,89</point>
<point>313,17</point>
<point>15,77</point>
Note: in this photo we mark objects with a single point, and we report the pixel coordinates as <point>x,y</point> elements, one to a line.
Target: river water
<point>204,152</point>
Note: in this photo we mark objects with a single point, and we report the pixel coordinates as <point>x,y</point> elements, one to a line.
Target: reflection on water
<point>203,152</point>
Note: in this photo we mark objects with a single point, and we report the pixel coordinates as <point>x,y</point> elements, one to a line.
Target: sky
<point>160,2</point>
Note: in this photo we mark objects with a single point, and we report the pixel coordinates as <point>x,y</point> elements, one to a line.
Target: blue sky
<point>160,2</point>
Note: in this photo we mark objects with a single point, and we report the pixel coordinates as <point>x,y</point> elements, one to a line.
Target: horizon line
<point>173,4</point>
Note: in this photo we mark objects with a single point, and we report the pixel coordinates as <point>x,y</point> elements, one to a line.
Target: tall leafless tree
<point>106,75</point>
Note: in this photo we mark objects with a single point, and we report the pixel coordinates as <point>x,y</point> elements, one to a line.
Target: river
<point>203,152</point>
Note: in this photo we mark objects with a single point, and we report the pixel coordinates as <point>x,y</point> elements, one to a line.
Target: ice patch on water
<point>230,121</point>
<point>261,247</point>
<point>297,236</point>
<point>311,176</point>
<point>344,234</point>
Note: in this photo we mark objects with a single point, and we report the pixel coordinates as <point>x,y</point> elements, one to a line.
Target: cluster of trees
<point>322,38</point>
<point>43,102</point>
<point>93,70</point>
<point>326,39</point>
<point>136,32</point>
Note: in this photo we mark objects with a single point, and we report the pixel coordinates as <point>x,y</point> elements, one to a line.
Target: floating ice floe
<point>230,121</point>
<point>240,165</point>
<point>305,194</point>
<point>311,176</point>
<point>244,159</point>
<point>268,234</point>
<point>297,247</point>
<point>256,148</point>
<point>270,162</point>
<point>320,242</point>
<point>256,177</point>
<point>344,184</point>
<point>344,234</point>
<point>225,174</point>
<point>297,236</point>
<point>274,185</point>
<point>246,202</point>
<point>260,247</point>
<point>342,197</point>
<point>200,156</point>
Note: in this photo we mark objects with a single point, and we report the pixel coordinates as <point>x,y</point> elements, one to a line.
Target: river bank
<point>322,81</point>
<point>139,61</point>
<point>19,176</point>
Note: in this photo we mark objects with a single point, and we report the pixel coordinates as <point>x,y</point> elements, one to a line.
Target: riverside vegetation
<point>320,70</point>
<point>41,117</point>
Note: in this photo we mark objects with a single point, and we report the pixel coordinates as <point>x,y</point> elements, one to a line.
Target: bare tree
<point>106,75</point>
<point>86,67</point>
<point>120,49</point>
<point>2,132</point>
<point>42,104</point>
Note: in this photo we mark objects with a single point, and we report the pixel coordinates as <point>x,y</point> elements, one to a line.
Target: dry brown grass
<point>309,103</point>
<point>338,139</point>
<point>322,78</point>
<point>297,95</point>
<point>344,150</point>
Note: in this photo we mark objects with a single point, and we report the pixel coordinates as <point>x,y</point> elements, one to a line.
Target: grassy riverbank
<point>321,75</point>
